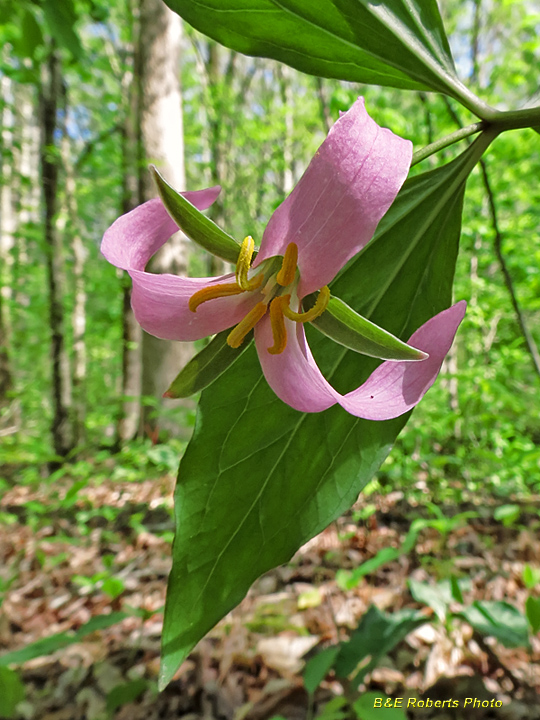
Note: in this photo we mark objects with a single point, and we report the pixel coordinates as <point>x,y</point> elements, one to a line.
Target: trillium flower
<point>327,219</point>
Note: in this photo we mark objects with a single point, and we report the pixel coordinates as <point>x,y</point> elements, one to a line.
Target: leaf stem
<point>440,144</point>
<point>496,121</point>
<point>513,119</point>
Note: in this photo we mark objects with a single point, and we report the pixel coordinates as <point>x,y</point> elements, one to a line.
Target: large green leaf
<point>498,619</point>
<point>376,635</point>
<point>258,478</point>
<point>400,43</point>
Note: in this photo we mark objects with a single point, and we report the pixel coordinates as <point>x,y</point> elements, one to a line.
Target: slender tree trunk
<point>287,174</point>
<point>216,266</point>
<point>7,238</point>
<point>27,161</point>
<point>79,290</point>
<point>128,424</point>
<point>130,412</point>
<point>162,142</point>
<point>62,429</point>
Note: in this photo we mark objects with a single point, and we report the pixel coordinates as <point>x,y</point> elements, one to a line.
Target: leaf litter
<point>109,552</point>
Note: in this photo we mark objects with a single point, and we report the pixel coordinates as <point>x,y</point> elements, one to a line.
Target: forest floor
<point>69,556</point>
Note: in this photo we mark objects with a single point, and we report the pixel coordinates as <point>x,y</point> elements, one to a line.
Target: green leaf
<point>532,609</point>
<point>49,645</point>
<point>366,709</point>
<point>335,709</point>
<point>194,224</point>
<point>61,18</point>
<point>376,635</point>
<point>400,43</point>
<point>346,327</point>
<point>507,514</point>
<point>351,579</point>
<point>500,620</point>
<point>258,478</point>
<point>531,576</point>
<point>125,693</point>
<point>437,597</point>
<point>31,35</point>
<point>206,366</point>
<point>318,666</point>
<point>12,692</point>
<point>455,589</point>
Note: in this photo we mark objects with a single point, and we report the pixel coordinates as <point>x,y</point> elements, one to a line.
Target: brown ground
<point>249,667</point>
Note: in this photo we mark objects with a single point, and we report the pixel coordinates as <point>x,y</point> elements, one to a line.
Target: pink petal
<point>396,387</point>
<point>293,374</point>
<point>131,240</point>
<point>336,206</point>
<point>160,304</point>
<point>391,390</point>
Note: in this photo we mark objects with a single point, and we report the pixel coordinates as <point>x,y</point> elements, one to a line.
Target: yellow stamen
<point>279,331</point>
<point>243,264</point>
<point>237,335</point>
<point>211,292</point>
<point>288,267</point>
<point>320,306</point>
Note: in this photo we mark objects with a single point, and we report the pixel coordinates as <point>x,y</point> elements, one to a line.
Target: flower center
<point>275,290</point>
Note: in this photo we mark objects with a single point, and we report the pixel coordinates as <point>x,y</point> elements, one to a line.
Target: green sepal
<point>206,366</point>
<point>346,327</point>
<point>194,224</point>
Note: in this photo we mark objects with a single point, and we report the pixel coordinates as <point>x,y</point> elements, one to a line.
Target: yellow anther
<point>288,267</point>
<point>277,321</point>
<point>243,264</point>
<point>211,292</point>
<point>237,335</point>
<point>320,306</point>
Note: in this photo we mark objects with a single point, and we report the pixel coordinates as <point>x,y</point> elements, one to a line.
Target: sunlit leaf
<point>400,43</point>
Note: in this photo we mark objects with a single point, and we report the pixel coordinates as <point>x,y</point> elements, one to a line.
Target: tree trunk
<point>79,291</point>
<point>130,411</point>
<point>218,167</point>
<point>7,239</point>
<point>287,170</point>
<point>161,142</point>
<point>62,429</point>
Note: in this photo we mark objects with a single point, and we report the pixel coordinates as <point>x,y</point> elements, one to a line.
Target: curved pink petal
<point>396,387</point>
<point>337,204</point>
<point>131,240</point>
<point>160,301</point>
<point>293,374</point>
<point>160,304</point>
<point>391,390</point>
